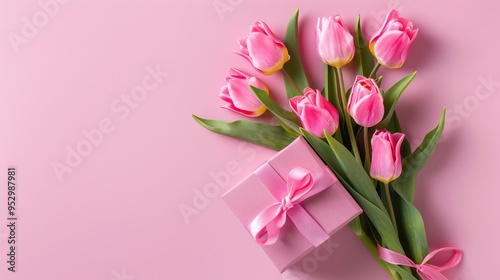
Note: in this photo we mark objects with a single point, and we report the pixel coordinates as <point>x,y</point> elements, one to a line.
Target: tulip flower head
<point>386,155</point>
<point>335,42</point>
<point>239,95</point>
<point>366,104</point>
<point>391,42</point>
<point>315,113</point>
<point>263,49</point>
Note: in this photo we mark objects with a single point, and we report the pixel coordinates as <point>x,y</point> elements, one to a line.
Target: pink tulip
<point>366,104</point>
<point>391,43</point>
<point>263,49</point>
<point>239,95</point>
<point>335,42</point>
<point>386,155</point>
<point>315,113</point>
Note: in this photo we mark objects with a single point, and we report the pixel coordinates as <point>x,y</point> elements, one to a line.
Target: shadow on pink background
<point>97,98</point>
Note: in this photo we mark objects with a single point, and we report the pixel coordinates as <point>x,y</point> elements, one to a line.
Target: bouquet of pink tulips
<point>355,131</point>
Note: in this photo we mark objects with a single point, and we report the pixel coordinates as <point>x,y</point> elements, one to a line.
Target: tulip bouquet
<point>355,131</point>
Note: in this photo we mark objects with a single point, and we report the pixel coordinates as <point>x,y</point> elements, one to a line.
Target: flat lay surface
<point>116,181</point>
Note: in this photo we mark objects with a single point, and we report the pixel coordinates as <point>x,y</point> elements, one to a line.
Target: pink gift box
<point>331,208</point>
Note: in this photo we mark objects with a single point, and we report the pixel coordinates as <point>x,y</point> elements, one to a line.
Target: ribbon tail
<point>266,226</point>
<point>309,186</point>
<point>454,260</point>
<point>307,226</point>
<point>300,185</point>
<point>430,273</point>
<point>426,271</point>
<point>394,257</point>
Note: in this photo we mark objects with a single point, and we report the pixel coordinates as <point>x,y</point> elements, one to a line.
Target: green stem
<point>372,248</point>
<point>391,208</point>
<point>327,84</point>
<point>347,116</point>
<point>374,70</point>
<point>291,81</point>
<point>367,148</point>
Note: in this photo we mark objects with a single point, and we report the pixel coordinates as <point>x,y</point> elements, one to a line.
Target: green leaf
<point>287,119</point>
<point>413,163</point>
<point>325,152</point>
<point>354,172</point>
<point>357,182</point>
<point>269,136</point>
<point>294,66</point>
<point>411,228</point>
<point>363,55</point>
<point>287,129</point>
<point>393,126</point>
<point>391,97</point>
<point>332,95</point>
<point>355,226</point>
<point>403,273</point>
<point>365,193</point>
<point>379,218</point>
<point>331,87</point>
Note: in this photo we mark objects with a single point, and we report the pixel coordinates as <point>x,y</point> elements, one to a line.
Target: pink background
<point>117,215</point>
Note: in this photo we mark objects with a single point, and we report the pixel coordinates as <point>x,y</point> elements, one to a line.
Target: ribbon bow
<point>300,185</point>
<point>425,270</point>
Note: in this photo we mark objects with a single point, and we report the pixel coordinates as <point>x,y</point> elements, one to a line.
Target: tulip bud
<point>386,155</point>
<point>315,113</point>
<point>239,95</point>
<point>366,104</point>
<point>263,49</point>
<point>335,42</point>
<point>391,42</point>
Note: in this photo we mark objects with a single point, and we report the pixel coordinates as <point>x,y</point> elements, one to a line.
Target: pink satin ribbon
<point>425,270</point>
<point>299,186</point>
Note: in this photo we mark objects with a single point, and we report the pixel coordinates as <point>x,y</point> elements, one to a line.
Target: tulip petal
<point>315,112</point>
<point>242,95</point>
<point>239,96</point>
<point>235,73</point>
<point>368,111</point>
<point>251,114</point>
<point>390,44</point>
<point>323,103</point>
<point>262,27</point>
<point>300,102</point>
<point>224,94</point>
<point>308,91</point>
<point>293,104</point>
<point>263,49</point>
<point>389,48</point>
<point>386,155</point>
<point>365,104</point>
<point>243,51</point>
<point>335,42</point>
<point>382,166</point>
<point>264,52</point>
<point>412,36</point>
<point>398,138</point>
<point>393,14</point>
<point>316,120</point>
